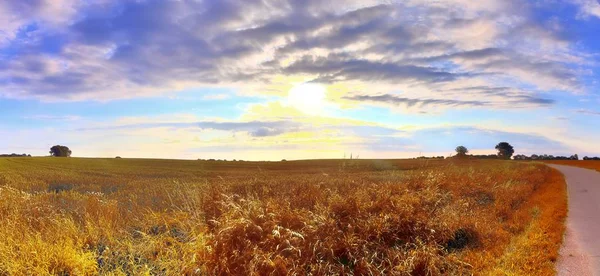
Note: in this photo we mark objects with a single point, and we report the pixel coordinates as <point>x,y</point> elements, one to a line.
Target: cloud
<point>102,50</point>
<point>266,131</point>
<point>588,112</point>
<point>541,72</point>
<point>506,100</point>
<point>16,15</point>
<point>254,128</point>
<point>588,7</point>
<point>395,100</point>
<point>333,68</point>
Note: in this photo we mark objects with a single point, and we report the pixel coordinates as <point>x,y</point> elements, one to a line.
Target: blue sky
<point>274,79</point>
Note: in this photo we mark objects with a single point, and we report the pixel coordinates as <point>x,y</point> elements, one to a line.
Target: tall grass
<point>166,217</point>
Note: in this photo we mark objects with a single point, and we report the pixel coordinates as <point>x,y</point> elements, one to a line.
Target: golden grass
<point>534,251</point>
<point>406,217</point>
<point>588,164</point>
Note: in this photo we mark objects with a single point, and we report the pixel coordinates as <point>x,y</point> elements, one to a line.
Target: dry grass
<point>588,164</point>
<point>404,217</point>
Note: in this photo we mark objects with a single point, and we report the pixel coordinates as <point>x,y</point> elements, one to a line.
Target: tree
<point>574,157</point>
<point>461,151</point>
<point>60,151</point>
<point>505,150</point>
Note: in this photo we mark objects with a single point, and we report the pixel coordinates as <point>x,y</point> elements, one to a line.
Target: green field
<point>73,216</point>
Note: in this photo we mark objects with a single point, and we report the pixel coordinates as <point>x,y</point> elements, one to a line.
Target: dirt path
<point>580,253</point>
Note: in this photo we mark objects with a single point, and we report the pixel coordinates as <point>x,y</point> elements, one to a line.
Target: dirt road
<point>580,253</point>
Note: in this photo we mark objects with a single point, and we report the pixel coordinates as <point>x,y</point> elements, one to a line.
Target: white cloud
<point>588,7</point>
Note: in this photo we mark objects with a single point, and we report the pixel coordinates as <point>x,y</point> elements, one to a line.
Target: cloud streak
<point>588,112</point>
<point>508,101</point>
<point>254,128</point>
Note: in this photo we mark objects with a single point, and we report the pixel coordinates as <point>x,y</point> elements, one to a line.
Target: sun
<point>308,98</point>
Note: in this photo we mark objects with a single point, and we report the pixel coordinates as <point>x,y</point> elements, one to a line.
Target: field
<point>588,164</point>
<point>70,216</point>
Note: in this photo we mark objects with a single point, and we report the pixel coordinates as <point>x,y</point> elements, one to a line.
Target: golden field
<point>70,216</point>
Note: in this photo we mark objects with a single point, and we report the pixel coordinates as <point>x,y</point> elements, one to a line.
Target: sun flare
<point>308,98</point>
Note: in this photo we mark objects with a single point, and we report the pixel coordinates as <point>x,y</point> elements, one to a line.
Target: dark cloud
<point>267,131</point>
<point>509,100</point>
<point>475,54</point>
<point>408,102</point>
<point>502,61</point>
<point>334,68</point>
<point>510,95</point>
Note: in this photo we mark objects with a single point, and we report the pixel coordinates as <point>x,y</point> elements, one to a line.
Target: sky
<point>299,79</point>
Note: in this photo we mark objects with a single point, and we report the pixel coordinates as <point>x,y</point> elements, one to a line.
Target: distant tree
<point>283,160</point>
<point>118,157</point>
<point>60,151</point>
<point>15,155</point>
<point>461,151</point>
<point>505,150</point>
<point>548,157</point>
<point>574,157</point>
<point>520,157</point>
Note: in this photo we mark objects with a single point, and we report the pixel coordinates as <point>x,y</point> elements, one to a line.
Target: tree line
<point>545,157</point>
<point>55,151</point>
<point>591,158</point>
<point>15,155</point>
<point>504,151</point>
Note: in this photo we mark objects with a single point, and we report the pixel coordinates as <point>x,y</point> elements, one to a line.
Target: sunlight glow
<point>308,98</point>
